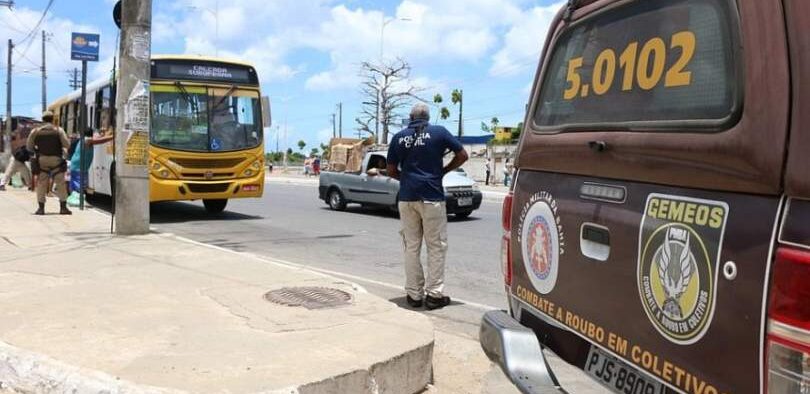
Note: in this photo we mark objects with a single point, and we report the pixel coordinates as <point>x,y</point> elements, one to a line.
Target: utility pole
<point>132,121</point>
<point>334,132</point>
<point>460,113</point>
<point>340,121</point>
<point>5,138</point>
<point>44,75</point>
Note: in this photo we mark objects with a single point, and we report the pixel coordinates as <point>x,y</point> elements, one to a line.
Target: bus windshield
<point>200,119</point>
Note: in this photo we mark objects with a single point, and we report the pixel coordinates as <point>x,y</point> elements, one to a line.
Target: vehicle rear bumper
<point>179,190</point>
<point>322,192</point>
<point>453,207</point>
<point>517,351</point>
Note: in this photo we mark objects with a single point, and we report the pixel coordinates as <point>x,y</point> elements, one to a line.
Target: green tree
<point>325,150</point>
<point>313,152</point>
<point>517,131</point>
<point>289,151</point>
<point>457,98</point>
<point>493,124</point>
<point>301,145</point>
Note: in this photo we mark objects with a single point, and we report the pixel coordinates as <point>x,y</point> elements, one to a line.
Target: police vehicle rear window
<point>645,65</point>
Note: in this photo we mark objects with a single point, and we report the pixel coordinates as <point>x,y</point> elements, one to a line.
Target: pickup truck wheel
<point>336,200</point>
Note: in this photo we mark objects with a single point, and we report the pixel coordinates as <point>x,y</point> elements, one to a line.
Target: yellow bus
<point>206,138</point>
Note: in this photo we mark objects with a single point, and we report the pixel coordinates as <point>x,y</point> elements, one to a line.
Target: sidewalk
<point>83,311</point>
<point>491,193</point>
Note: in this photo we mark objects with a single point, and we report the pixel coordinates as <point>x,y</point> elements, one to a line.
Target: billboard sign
<point>84,46</point>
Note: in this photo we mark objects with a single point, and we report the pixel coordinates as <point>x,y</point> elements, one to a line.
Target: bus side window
<point>105,118</point>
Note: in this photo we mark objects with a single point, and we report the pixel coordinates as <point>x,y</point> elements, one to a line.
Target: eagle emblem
<point>680,239</point>
<point>675,268</point>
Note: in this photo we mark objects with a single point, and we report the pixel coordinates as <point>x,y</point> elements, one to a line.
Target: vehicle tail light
<point>788,346</point>
<point>506,258</point>
<point>506,213</point>
<point>506,241</point>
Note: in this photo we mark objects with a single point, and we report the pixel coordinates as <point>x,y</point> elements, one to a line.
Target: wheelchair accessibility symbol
<point>216,144</point>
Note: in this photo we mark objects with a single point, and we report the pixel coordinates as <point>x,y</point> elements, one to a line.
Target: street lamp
<point>215,13</point>
<point>8,4</point>
<point>383,23</point>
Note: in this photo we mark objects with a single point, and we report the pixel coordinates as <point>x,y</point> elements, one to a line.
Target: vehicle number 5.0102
<point>642,66</point>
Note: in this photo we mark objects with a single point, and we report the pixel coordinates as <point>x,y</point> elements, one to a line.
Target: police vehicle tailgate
<point>644,211</point>
<point>667,280</point>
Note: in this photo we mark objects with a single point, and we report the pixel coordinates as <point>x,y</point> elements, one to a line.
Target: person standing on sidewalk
<point>415,158</point>
<point>17,165</point>
<point>49,143</point>
<point>488,169</point>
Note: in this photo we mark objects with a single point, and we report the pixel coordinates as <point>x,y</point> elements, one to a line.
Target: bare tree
<point>386,89</point>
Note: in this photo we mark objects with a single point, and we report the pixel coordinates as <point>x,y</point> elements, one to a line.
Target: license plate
<point>618,376</point>
<point>465,201</point>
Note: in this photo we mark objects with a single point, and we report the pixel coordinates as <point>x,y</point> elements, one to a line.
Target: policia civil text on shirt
<point>49,144</point>
<point>415,158</point>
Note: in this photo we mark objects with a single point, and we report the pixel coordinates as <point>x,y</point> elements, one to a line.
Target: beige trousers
<point>15,166</point>
<point>428,220</point>
<point>50,164</point>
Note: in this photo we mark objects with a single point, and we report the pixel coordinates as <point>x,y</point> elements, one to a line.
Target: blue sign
<point>215,144</point>
<point>84,46</point>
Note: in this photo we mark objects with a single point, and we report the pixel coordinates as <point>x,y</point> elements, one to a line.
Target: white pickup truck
<point>372,187</point>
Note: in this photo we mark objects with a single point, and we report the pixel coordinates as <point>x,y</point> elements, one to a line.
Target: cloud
<point>524,41</point>
<point>27,55</point>
<point>426,33</point>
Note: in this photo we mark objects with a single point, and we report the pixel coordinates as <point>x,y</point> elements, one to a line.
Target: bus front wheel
<point>215,206</point>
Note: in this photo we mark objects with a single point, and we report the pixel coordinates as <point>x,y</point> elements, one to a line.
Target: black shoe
<point>432,303</point>
<point>413,303</point>
<point>41,210</point>
<point>63,209</point>
<point>2,188</point>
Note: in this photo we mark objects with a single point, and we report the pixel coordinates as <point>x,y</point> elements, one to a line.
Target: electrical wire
<point>29,37</point>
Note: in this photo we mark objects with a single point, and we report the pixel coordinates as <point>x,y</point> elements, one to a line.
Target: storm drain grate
<point>309,297</point>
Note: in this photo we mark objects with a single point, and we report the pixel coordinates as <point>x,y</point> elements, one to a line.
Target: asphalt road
<point>291,223</point>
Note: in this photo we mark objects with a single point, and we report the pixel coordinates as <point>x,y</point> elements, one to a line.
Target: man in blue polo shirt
<point>416,158</point>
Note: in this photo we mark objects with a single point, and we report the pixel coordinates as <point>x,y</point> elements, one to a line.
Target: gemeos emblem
<point>679,245</point>
<point>541,242</point>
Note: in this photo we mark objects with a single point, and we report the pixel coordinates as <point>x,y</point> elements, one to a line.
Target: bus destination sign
<point>216,72</point>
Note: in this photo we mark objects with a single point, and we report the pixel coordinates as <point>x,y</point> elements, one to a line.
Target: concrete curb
<point>27,372</point>
<point>23,371</point>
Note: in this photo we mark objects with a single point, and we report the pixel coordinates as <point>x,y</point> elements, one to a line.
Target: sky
<point>307,52</point>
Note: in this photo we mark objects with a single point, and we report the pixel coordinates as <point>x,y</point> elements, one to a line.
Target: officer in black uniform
<point>49,144</point>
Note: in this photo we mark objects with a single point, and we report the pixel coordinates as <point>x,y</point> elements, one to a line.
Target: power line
<point>26,58</point>
<point>33,31</point>
<point>29,37</point>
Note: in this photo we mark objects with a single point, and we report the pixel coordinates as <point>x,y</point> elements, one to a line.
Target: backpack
<point>22,154</point>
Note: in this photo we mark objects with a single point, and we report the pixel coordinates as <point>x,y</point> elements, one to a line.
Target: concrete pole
<point>5,138</point>
<point>340,120</point>
<point>44,75</point>
<point>82,134</point>
<point>133,119</point>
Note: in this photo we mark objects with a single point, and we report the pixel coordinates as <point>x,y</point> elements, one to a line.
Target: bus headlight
<point>248,172</point>
<point>257,164</point>
<point>159,171</point>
